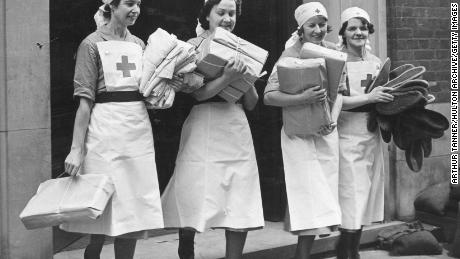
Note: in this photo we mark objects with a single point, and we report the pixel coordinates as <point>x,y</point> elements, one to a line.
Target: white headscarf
<point>353,12</point>
<point>302,14</point>
<point>99,15</point>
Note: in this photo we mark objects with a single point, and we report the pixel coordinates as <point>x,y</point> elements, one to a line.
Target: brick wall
<point>419,33</point>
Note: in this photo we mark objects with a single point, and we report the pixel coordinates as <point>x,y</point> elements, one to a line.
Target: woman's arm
<point>75,158</point>
<point>250,99</point>
<point>335,111</point>
<point>280,99</point>
<point>377,95</point>
<point>233,70</point>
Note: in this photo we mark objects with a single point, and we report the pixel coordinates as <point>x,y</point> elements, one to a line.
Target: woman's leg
<point>124,248</point>
<point>355,242</point>
<point>348,245</point>
<point>304,245</point>
<point>186,248</point>
<point>93,250</point>
<point>234,244</point>
<point>343,245</point>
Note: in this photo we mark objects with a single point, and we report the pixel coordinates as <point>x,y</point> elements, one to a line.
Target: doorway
<point>266,23</point>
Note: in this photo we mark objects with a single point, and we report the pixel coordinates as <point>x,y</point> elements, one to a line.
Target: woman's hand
<point>73,161</point>
<point>234,69</point>
<point>326,130</point>
<point>313,95</point>
<point>380,95</point>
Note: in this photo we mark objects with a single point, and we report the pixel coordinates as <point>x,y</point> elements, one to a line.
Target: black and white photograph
<point>229,129</point>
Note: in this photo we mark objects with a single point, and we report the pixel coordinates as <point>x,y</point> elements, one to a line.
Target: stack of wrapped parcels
<point>220,47</point>
<point>295,76</point>
<point>335,65</point>
<point>68,199</point>
<point>318,66</point>
<point>168,65</point>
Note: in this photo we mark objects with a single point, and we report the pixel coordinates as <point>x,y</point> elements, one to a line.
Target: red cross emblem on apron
<point>360,74</point>
<point>121,63</point>
<point>125,66</point>
<point>366,81</point>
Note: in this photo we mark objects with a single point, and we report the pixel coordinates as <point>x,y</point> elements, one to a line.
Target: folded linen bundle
<point>165,58</point>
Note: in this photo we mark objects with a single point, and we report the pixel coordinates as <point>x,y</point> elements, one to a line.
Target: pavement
<point>272,242</point>
<point>380,254</point>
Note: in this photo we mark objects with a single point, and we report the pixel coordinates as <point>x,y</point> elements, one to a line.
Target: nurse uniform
<point>216,180</point>
<point>119,141</point>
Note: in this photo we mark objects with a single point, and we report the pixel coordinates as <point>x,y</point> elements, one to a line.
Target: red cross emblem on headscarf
<point>317,11</point>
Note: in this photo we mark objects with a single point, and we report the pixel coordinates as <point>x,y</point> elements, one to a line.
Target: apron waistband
<point>364,108</point>
<point>119,96</point>
<point>214,99</point>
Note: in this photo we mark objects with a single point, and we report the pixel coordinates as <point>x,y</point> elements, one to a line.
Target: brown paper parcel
<point>221,47</point>
<point>335,64</point>
<point>68,199</point>
<point>295,75</point>
<point>231,94</point>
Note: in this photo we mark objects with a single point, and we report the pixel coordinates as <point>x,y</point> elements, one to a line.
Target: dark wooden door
<point>268,24</point>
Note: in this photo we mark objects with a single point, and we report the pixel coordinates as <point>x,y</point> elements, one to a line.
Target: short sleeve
<point>86,71</point>
<point>273,82</point>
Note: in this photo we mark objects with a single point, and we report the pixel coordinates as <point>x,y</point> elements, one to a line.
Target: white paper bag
<point>68,199</point>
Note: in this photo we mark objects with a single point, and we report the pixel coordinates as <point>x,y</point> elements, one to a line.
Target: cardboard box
<point>335,65</point>
<point>295,75</point>
<point>221,47</point>
<point>68,199</point>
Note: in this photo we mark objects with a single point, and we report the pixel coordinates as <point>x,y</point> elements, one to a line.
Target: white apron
<point>311,174</point>
<point>216,180</point>
<point>361,184</point>
<point>119,143</point>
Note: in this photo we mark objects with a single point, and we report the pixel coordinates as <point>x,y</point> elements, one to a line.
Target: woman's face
<point>356,33</point>
<point>223,15</point>
<point>315,29</point>
<point>127,11</point>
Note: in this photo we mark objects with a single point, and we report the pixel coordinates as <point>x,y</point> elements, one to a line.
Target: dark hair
<point>300,30</point>
<point>370,28</point>
<point>107,9</point>
<point>206,10</point>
